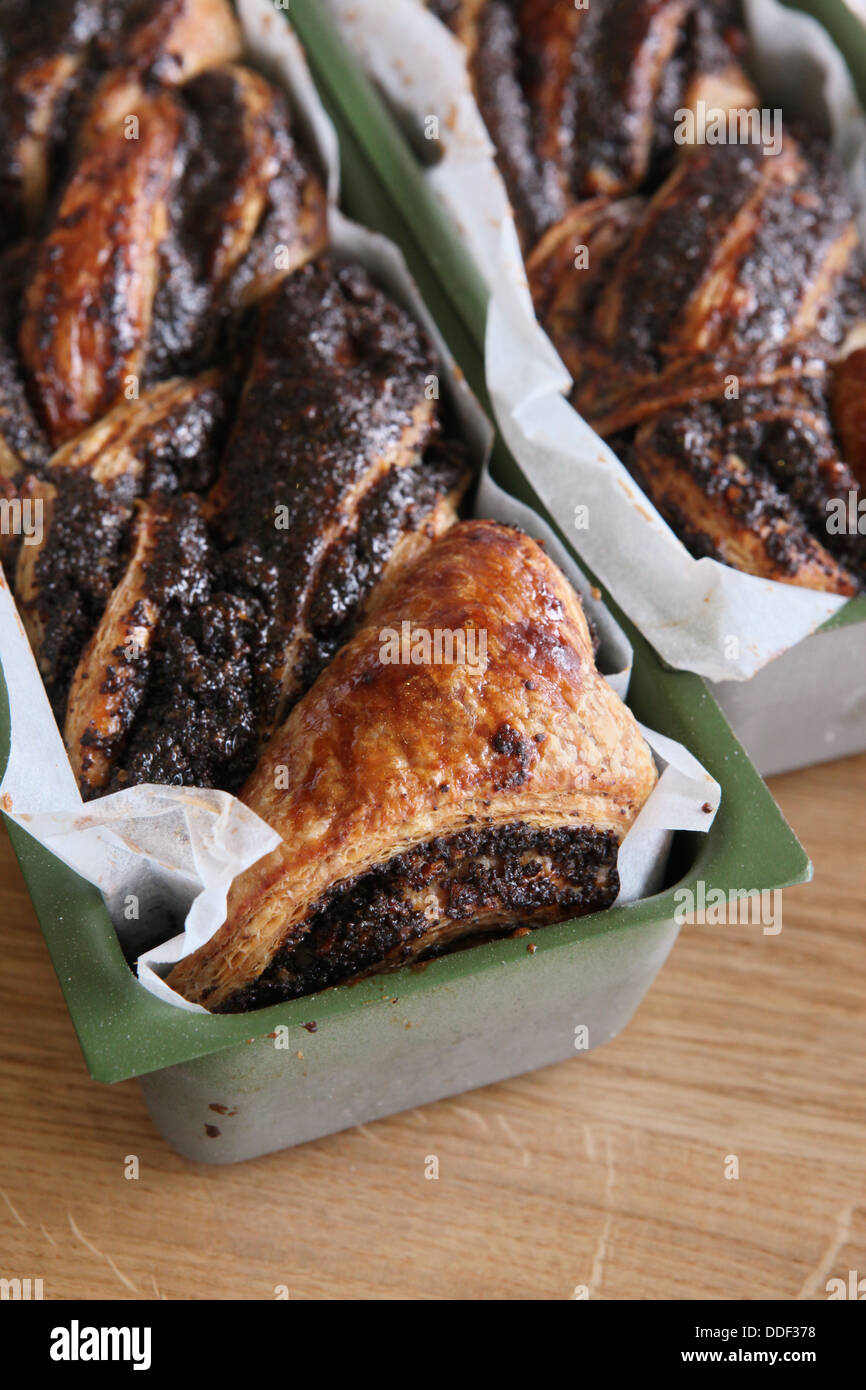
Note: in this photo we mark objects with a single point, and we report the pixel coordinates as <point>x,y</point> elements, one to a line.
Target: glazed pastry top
<point>383,755</point>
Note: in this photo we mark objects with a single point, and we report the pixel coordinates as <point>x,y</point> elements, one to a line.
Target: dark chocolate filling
<point>503,104</point>
<point>196,723</point>
<point>795,472</point>
<point>494,878</point>
<point>85,547</point>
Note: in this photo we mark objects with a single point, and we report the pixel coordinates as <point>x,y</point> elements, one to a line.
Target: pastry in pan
<point>249,494</point>
<point>708,298</point>
<point>168,440</point>
<point>69,65</point>
<point>704,348</point>
<point>230,440</point>
<point>195,575</point>
<point>157,239</point>
<point>421,801</point>
<point>336,469</point>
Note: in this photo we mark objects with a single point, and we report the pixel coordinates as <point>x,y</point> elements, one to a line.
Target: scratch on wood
<point>825,1266</point>
<point>478,1120</point>
<point>515,1140</point>
<point>99,1254</point>
<point>368,1134</point>
<point>597,1272</point>
<point>610,1171</point>
<point>12,1209</point>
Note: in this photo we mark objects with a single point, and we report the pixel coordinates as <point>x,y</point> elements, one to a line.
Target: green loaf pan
<point>226,1088</point>
<point>808,705</point>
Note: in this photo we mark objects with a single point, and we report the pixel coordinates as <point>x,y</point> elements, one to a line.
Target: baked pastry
<point>708,299</point>
<point>43,51</point>
<point>702,345</point>
<point>57,58</point>
<point>195,575</point>
<point>421,801</point>
<point>330,478</point>
<point>168,441</point>
<point>156,238</point>
<point>242,471</point>
<point>580,100</point>
<point>227,454</point>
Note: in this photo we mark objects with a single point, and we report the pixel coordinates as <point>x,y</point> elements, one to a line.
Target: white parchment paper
<point>700,615</point>
<point>162,854</point>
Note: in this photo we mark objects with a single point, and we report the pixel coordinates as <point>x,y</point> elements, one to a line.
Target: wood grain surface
<point>606,1172</point>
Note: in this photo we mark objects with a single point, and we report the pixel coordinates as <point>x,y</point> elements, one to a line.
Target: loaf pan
<point>230,1087</point>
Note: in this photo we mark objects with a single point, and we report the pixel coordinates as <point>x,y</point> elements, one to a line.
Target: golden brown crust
<point>39,93</point>
<point>43,58</point>
<point>172,43</point>
<point>185,201</point>
<point>380,757</point>
<point>186,206</point>
<point>184,37</point>
<point>88,307</point>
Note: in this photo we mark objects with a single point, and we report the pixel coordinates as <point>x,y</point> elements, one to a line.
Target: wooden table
<point>608,1171</point>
